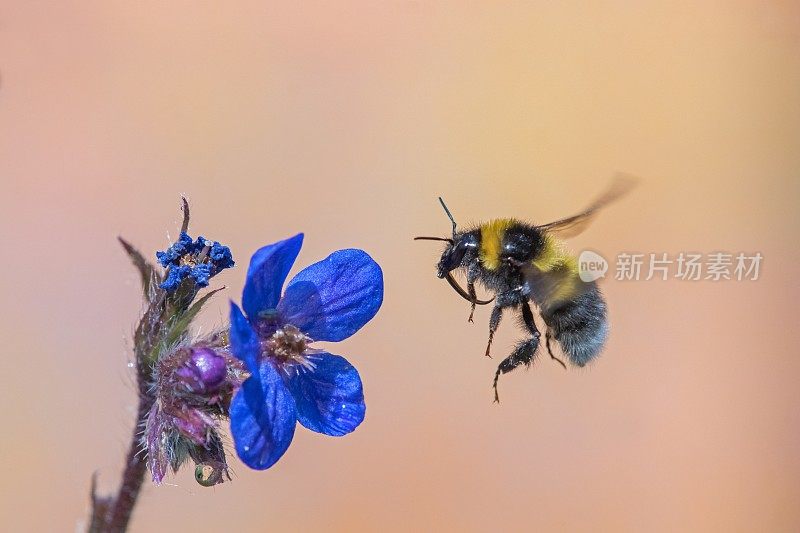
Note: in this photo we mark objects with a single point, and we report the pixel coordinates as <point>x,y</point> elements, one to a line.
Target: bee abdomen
<point>580,326</point>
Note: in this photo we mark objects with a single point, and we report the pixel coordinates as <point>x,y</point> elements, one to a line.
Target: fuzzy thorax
<point>492,241</point>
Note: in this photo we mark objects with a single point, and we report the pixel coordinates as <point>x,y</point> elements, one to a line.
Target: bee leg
<point>494,323</point>
<point>503,300</point>
<point>523,355</point>
<point>525,350</point>
<point>530,324</point>
<point>472,275</point>
<point>547,343</point>
<point>473,297</point>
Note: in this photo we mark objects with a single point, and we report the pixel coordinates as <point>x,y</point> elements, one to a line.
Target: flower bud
<point>192,424</point>
<point>203,372</point>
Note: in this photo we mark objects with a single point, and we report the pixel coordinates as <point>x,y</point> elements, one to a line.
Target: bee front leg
<point>473,296</point>
<point>472,275</point>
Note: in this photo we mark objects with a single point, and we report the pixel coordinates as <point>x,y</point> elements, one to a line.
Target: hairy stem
<point>132,478</point>
<point>113,515</point>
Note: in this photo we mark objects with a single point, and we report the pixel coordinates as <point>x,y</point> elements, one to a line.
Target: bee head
<point>457,246</point>
<point>461,249</point>
<point>457,249</point>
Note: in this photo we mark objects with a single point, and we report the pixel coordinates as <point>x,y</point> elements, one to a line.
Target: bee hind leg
<point>523,354</point>
<point>547,343</point>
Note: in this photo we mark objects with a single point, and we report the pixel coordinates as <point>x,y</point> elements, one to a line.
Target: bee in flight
<point>521,263</point>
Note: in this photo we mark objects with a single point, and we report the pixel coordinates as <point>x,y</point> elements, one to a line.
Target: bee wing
<point>548,289</point>
<point>572,226</point>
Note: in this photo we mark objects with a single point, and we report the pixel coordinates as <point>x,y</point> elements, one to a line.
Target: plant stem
<point>132,478</point>
<point>114,514</point>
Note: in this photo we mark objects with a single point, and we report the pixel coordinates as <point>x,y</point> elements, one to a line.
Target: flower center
<point>290,345</point>
<point>198,258</point>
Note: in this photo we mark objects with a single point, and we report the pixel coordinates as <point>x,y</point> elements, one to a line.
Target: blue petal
<point>201,274</point>
<point>244,340</point>
<point>175,275</point>
<point>221,256</point>
<point>263,418</point>
<point>199,244</point>
<point>268,269</point>
<point>329,399</point>
<point>332,299</point>
<point>173,253</point>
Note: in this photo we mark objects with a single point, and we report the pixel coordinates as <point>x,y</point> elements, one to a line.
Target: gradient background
<point>346,123</point>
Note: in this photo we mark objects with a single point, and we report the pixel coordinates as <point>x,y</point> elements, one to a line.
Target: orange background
<point>346,122</point>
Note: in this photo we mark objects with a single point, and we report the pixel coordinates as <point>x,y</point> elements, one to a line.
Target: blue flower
<point>290,381</point>
<point>201,260</point>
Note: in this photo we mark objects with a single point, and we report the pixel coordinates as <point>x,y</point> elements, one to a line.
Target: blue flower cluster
<point>201,260</point>
<point>289,380</point>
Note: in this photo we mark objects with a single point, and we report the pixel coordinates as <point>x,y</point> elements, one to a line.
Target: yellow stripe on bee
<point>492,241</point>
<point>566,290</point>
<point>554,258</point>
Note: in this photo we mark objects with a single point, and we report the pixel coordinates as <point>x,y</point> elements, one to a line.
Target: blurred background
<point>347,122</point>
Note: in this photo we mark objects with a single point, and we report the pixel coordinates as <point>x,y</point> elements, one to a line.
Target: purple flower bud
<point>193,424</point>
<point>192,389</point>
<point>204,371</point>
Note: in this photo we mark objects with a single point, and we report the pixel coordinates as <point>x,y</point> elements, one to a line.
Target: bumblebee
<point>520,263</point>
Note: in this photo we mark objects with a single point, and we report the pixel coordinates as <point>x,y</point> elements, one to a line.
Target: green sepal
<point>149,276</point>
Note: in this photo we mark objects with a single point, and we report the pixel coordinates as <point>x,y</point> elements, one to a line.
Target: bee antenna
<point>449,215</point>
<point>445,239</point>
